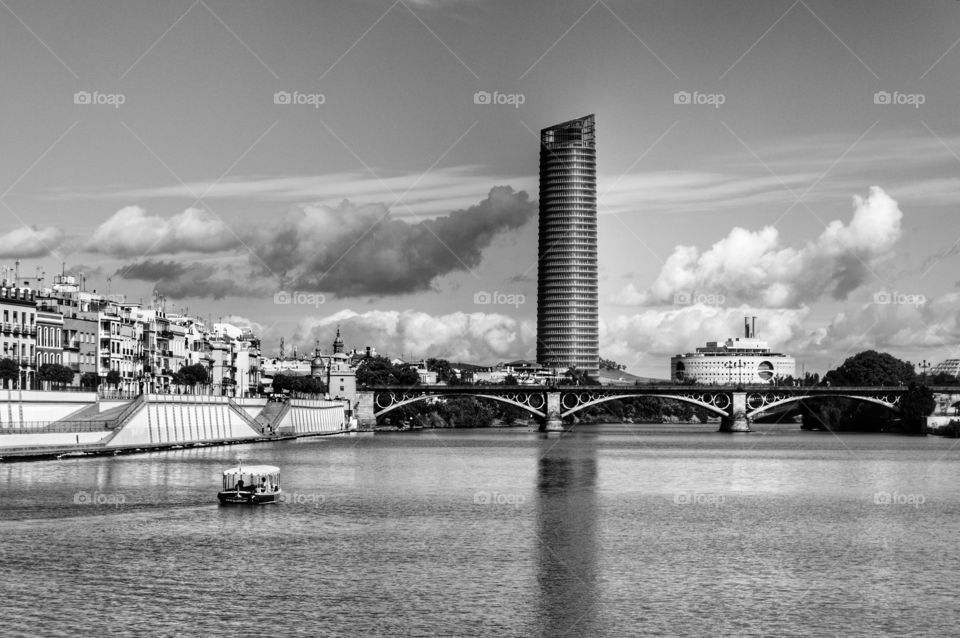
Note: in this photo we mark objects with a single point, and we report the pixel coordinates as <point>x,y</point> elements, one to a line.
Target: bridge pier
<point>553,422</point>
<point>736,419</point>
<point>366,419</point>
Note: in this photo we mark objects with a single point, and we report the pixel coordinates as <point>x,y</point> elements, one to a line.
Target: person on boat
<point>239,485</point>
<point>263,485</point>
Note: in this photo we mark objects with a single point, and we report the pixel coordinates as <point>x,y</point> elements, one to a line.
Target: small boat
<point>250,485</point>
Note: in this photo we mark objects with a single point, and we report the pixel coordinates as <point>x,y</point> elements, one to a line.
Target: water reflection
<point>566,505</point>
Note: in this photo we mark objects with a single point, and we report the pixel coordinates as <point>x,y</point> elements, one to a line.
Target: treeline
<point>871,368</point>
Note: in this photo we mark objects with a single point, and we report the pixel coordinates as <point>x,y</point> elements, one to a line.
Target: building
<point>738,360</point>
<point>341,375</point>
<point>947,366</point>
<point>567,328</point>
<point>18,331</point>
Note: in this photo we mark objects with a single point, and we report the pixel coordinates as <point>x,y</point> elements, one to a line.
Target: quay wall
<point>310,416</point>
<point>166,419</point>
<point>39,406</point>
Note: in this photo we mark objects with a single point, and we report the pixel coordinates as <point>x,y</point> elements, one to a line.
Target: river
<point>612,530</point>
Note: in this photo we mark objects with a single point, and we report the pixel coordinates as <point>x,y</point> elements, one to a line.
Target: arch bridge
<point>736,406</point>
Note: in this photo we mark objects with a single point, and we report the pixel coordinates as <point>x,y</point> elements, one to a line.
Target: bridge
<point>737,406</point>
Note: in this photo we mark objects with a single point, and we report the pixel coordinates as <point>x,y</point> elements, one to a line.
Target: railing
<point>55,427</point>
<point>128,412</point>
<point>118,394</point>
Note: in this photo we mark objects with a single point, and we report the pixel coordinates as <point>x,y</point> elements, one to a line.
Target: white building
<point>738,360</point>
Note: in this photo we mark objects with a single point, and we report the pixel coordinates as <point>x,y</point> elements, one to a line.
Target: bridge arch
<point>613,397</point>
<point>794,399</point>
<point>393,406</point>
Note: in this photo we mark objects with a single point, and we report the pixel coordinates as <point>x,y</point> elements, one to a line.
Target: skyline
<point>816,209</point>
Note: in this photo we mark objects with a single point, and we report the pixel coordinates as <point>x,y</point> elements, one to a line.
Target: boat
<point>250,485</point>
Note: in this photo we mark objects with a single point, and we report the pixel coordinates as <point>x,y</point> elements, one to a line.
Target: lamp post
<point>924,365</point>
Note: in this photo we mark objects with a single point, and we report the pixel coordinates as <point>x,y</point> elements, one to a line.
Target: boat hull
<point>233,497</point>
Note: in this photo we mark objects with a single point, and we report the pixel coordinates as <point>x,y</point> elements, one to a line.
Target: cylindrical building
<point>567,331</point>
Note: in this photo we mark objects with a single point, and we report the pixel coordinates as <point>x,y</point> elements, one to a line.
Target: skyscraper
<point>567,332</point>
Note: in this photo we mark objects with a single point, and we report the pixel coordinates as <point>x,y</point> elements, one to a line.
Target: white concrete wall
<point>253,407</point>
<point>172,419</point>
<point>54,439</point>
<point>312,417</point>
<point>35,406</point>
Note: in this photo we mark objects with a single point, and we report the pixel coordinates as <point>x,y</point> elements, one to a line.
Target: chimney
<point>746,327</point>
<point>753,327</point>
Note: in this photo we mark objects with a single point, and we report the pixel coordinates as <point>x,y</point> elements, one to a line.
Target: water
<point>611,531</point>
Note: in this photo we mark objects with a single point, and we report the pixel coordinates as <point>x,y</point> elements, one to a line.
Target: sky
<point>372,164</point>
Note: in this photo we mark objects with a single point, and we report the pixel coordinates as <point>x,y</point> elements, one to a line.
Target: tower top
<point>338,343</point>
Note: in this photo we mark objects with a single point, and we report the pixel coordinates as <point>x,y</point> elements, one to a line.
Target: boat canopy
<point>254,470</point>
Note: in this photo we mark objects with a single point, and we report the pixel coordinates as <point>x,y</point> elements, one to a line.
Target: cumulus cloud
<point>358,250</point>
<point>753,267</point>
<point>179,280</point>
<point>132,232</point>
<point>459,336</point>
<point>30,242</point>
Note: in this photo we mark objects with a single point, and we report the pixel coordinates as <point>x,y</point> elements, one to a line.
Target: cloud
<point>458,336</point>
<point>131,232</point>
<point>30,242</point>
<point>753,267</point>
<point>179,280</point>
<point>355,250</point>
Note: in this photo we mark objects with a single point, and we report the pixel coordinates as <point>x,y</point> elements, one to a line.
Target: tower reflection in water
<point>566,531</point>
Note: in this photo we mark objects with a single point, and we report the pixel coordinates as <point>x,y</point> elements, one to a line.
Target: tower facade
<point>567,329</point>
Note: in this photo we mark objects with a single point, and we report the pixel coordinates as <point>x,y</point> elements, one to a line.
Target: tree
<point>916,404</point>
<point>89,380</point>
<point>509,380</point>
<point>872,368</point>
<point>113,378</point>
<point>9,370</point>
<point>574,376</point>
<point>869,368</point>
<point>193,375</point>
<point>444,372</point>
<point>944,378</point>
<point>291,383</point>
<point>55,374</point>
<point>378,370</point>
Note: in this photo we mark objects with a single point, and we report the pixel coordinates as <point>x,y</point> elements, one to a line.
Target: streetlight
<point>924,365</point>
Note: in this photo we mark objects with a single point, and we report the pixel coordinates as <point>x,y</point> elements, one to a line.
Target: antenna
<point>16,276</point>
